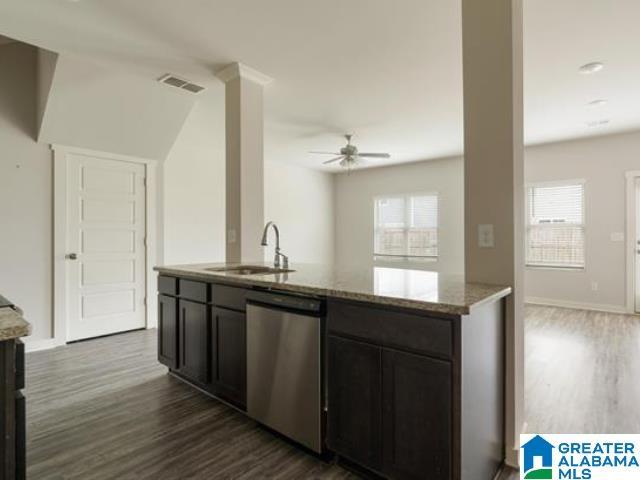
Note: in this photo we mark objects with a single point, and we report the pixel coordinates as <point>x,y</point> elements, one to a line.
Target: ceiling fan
<point>349,155</point>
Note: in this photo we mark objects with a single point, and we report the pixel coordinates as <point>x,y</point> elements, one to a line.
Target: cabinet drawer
<point>196,291</point>
<point>401,330</point>
<point>167,285</point>
<point>229,297</point>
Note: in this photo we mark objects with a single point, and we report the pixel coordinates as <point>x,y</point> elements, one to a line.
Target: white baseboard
<point>511,454</point>
<point>42,344</point>
<point>576,305</point>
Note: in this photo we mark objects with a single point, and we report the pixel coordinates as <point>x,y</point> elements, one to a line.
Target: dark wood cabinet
<point>12,411</point>
<point>228,355</point>
<point>355,376</point>
<point>193,346</point>
<point>167,331</point>
<point>411,394</point>
<point>416,419</point>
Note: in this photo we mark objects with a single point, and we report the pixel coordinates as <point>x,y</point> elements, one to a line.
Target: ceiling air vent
<point>181,83</point>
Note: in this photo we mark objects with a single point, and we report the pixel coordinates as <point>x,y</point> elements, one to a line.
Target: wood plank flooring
<point>582,371</point>
<point>105,409</point>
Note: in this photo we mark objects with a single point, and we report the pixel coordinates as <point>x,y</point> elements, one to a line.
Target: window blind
<point>555,230</point>
<point>406,226</point>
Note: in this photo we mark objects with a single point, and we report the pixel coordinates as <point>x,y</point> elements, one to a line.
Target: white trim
<point>60,154</point>
<point>631,239</point>
<point>511,455</point>
<point>40,344</point>
<point>236,69</point>
<point>575,305</point>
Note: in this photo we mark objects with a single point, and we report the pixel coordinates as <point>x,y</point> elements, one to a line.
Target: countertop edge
<point>13,325</point>
<point>443,308</point>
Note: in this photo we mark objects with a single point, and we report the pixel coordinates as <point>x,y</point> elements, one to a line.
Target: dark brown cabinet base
<point>201,341</point>
<point>12,411</point>
<point>400,402</point>
<point>410,395</point>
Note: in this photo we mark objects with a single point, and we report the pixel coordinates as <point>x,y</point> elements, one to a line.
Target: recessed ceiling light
<point>598,103</point>
<point>598,123</point>
<point>592,67</point>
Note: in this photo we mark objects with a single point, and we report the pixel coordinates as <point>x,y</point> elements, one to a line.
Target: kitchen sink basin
<point>249,270</point>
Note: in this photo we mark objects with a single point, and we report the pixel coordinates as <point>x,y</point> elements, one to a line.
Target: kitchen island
<point>411,363</point>
<point>12,402</point>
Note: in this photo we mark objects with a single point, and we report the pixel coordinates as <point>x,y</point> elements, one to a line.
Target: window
<point>406,226</point>
<point>555,226</point>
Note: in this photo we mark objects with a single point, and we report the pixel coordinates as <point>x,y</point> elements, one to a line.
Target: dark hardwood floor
<point>105,409</point>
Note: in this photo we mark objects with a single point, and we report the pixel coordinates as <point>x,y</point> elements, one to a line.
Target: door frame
<point>631,239</point>
<point>60,286</point>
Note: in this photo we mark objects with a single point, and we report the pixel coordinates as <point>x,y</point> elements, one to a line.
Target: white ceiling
<point>390,72</point>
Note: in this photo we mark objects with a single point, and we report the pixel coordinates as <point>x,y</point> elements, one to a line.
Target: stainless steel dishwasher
<point>285,382</point>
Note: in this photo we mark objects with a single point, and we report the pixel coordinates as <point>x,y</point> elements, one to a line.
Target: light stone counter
<point>12,325</point>
<point>415,289</point>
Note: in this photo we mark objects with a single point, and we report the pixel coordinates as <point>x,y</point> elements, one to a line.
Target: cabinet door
<point>193,334</point>
<point>167,331</point>
<point>416,418</point>
<point>229,355</point>
<point>354,416</point>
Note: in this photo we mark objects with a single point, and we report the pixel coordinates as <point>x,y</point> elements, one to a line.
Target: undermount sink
<point>249,270</point>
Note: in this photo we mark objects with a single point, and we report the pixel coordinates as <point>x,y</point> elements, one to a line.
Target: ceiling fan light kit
<point>349,156</point>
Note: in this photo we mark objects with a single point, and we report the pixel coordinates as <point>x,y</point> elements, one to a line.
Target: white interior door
<point>637,256</point>
<point>106,229</point>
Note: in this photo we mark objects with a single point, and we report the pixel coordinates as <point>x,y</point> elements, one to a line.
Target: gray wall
<point>600,161</point>
<point>25,192</point>
<point>356,190</point>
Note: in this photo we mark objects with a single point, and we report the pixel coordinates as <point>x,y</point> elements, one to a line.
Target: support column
<point>244,121</point>
<point>494,176</point>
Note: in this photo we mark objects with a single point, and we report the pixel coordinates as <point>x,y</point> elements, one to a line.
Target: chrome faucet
<point>276,260</point>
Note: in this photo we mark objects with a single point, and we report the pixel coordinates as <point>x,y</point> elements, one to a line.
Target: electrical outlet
<point>485,236</point>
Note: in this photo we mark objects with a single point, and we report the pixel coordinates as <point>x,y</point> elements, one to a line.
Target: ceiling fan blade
<point>327,153</point>
<point>333,160</point>
<point>374,155</point>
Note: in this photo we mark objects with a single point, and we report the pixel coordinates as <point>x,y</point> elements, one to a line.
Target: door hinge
<point>145,241</point>
<point>144,181</point>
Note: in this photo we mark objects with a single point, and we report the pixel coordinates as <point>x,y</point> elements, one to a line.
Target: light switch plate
<point>617,237</point>
<point>231,236</point>
<point>485,236</point>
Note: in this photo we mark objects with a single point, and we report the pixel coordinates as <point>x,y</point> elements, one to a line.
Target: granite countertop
<point>12,325</point>
<point>416,289</point>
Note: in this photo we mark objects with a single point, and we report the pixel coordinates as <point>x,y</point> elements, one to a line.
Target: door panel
<point>417,421</point>
<point>229,355</point>
<point>355,377</point>
<point>106,228</point>
<point>193,333</point>
<point>637,282</point>
<point>167,331</point>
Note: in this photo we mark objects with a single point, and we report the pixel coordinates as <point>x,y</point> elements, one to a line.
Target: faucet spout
<point>276,260</point>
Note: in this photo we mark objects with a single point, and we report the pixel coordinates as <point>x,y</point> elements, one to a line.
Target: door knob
<point>72,256</point>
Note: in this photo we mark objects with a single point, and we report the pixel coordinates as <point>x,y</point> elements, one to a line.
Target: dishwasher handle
<point>301,304</point>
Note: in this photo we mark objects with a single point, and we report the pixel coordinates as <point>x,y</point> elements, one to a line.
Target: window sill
<point>402,259</point>
<point>554,268</point>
